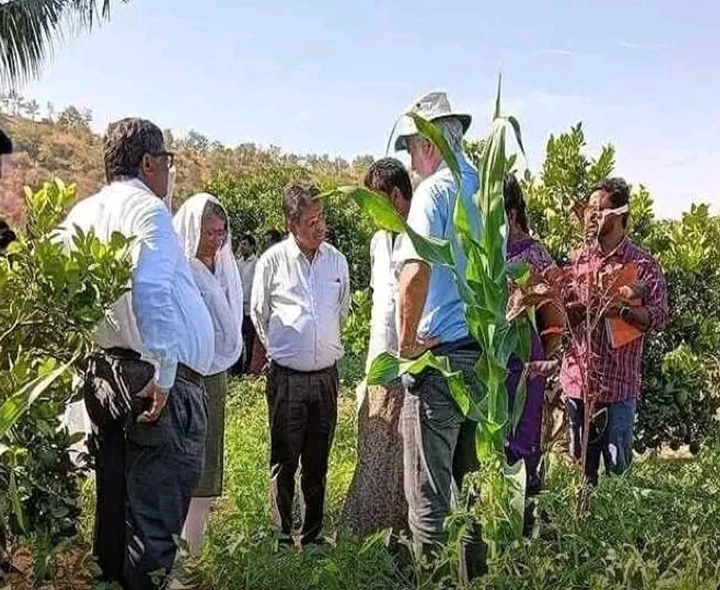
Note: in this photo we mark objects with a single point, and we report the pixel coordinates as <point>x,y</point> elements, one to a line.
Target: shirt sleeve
<point>656,298</point>
<point>427,217</point>
<point>260,299</point>
<point>373,245</point>
<point>152,285</point>
<point>344,288</point>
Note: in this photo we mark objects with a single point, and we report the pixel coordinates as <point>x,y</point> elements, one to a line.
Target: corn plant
<point>483,288</point>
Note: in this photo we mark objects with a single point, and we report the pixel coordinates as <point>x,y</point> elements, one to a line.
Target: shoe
<point>285,541</point>
<point>317,542</point>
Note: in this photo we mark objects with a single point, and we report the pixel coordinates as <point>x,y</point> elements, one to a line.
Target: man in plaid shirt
<point>614,374</point>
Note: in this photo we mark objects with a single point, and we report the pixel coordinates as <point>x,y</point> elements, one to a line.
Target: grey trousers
<point>439,450</point>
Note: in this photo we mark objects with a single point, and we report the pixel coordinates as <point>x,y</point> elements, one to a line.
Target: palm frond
<point>29,30</point>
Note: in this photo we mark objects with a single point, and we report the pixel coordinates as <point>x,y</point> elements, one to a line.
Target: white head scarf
<point>222,291</point>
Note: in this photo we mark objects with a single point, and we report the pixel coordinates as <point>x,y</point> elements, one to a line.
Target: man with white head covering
<point>203,225</point>
<point>439,443</point>
<point>144,388</point>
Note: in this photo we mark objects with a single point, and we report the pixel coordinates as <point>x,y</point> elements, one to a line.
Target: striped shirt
<point>618,372</point>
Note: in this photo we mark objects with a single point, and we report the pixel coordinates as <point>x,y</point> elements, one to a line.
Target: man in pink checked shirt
<point>615,374</point>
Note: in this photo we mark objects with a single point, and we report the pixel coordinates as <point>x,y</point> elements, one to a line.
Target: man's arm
<point>152,285</point>
<point>260,300</point>
<point>653,314</point>
<point>413,290</point>
<point>427,216</point>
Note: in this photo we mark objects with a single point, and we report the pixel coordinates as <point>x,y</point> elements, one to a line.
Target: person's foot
<point>285,541</point>
<point>316,543</point>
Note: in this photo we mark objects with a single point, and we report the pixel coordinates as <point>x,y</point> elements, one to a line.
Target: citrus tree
<point>680,392</point>
<point>50,301</point>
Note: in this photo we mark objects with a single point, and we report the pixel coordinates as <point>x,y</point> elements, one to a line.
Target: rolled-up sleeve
<point>656,298</point>
<point>152,286</point>
<point>427,217</point>
<point>260,299</point>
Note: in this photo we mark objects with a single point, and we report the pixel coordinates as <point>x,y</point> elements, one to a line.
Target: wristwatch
<point>624,312</point>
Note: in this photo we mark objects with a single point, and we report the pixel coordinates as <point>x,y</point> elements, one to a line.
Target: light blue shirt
<point>431,215</point>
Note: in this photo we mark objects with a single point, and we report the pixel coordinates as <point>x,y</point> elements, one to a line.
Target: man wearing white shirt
<point>143,389</point>
<point>246,265</point>
<point>300,295</point>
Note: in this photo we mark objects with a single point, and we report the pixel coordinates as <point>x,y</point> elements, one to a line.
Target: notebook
<point>621,333</point>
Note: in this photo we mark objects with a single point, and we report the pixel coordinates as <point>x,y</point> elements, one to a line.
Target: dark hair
<point>618,191</point>
<point>273,236</point>
<point>249,238</point>
<point>298,197</point>
<point>7,235</point>
<point>6,146</point>
<point>126,142</point>
<point>514,200</point>
<point>387,174</point>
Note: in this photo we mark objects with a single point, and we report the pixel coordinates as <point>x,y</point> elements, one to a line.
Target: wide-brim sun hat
<point>432,106</point>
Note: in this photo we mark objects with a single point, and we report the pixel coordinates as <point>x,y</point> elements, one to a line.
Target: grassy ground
<point>659,528</point>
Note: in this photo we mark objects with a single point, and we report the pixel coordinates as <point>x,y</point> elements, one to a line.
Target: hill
<point>64,145</point>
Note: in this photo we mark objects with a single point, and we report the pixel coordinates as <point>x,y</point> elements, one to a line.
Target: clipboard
<point>621,333</point>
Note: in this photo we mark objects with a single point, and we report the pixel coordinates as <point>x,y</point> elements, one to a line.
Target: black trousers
<point>145,474</point>
<point>302,414</point>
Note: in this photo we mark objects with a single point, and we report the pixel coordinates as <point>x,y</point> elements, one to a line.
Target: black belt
<point>183,371</point>
<point>285,369</point>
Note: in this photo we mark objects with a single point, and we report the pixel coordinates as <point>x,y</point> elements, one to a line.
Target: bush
<point>50,301</point>
<point>253,199</point>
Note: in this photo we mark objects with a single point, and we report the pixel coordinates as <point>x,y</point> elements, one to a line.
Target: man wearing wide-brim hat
<point>439,442</point>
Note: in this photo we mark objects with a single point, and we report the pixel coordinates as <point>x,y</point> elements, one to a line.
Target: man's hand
<point>417,348</point>
<point>541,368</point>
<point>576,313</point>
<point>158,398</point>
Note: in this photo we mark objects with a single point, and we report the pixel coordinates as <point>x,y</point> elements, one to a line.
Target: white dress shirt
<point>246,266</point>
<point>297,305</point>
<point>163,316</point>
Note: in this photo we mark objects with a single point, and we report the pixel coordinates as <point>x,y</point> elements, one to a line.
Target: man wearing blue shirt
<point>439,445</point>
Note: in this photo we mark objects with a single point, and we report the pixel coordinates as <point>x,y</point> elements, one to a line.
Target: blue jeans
<point>611,436</point>
<point>439,450</point>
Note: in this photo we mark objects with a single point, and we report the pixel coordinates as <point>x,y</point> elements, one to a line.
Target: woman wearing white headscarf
<point>202,223</point>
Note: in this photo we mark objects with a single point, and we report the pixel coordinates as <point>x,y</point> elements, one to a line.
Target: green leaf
<point>15,406</point>
<point>519,272</point>
<point>383,369</point>
<point>16,503</point>
<point>384,216</point>
<point>519,401</point>
<point>376,206</point>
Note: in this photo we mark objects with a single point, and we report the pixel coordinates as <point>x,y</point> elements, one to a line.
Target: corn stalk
<point>484,290</point>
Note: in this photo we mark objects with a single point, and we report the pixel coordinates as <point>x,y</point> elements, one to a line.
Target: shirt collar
<point>294,249</point>
<point>619,249</point>
<point>134,183</point>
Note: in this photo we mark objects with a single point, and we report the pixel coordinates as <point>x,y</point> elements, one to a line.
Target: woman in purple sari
<point>525,442</point>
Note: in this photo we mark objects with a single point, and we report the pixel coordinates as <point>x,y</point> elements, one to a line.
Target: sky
<point>331,77</point>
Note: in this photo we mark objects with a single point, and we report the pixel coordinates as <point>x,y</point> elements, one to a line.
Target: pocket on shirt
<point>330,294</point>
